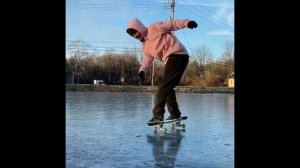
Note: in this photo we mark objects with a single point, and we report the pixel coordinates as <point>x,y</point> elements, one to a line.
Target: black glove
<point>142,76</point>
<point>192,24</point>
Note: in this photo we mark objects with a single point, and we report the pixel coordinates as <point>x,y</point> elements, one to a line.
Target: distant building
<point>231,82</point>
<point>100,82</point>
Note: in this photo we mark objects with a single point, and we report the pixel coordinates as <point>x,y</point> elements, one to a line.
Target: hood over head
<point>137,25</point>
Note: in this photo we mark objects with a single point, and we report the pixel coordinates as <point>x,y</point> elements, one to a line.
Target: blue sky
<point>102,23</point>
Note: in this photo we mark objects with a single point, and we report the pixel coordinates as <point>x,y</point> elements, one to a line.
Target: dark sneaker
<point>155,120</point>
<point>171,118</point>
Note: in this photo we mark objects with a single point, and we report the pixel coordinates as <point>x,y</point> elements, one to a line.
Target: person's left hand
<point>192,24</point>
<point>142,76</point>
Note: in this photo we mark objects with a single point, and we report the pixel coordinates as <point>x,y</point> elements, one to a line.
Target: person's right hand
<point>192,24</point>
<point>142,76</point>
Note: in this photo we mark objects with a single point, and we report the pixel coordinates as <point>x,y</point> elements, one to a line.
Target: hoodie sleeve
<point>146,63</point>
<point>171,25</point>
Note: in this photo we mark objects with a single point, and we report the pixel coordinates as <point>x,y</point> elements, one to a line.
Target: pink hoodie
<point>159,42</point>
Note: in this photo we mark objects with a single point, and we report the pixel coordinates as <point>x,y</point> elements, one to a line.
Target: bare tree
<point>109,63</point>
<point>228,57</point>
<point>131,67</point>
<point>78,52</point>
<point>202,56</point>
<point>228,52</point>
<point>191,73</point>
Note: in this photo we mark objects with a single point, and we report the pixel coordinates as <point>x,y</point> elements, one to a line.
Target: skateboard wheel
<point>183,125</point>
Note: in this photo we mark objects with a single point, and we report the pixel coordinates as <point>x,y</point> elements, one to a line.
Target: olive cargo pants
<point>165,93</point>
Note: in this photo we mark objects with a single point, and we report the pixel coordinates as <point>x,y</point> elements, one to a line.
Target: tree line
<point>83,66</point>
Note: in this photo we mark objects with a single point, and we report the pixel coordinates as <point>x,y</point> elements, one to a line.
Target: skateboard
<point>175,123</point>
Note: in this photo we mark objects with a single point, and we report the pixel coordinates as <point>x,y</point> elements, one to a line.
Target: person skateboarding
<point>158,42</point>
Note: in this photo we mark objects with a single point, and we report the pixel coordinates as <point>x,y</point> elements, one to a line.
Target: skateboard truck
<point>177,124</point>
<point>159,128</point>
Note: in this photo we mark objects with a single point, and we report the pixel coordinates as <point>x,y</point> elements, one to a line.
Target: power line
<point>124,6</point>
<point>109,50</point>
<point>207,19</point>
<point>105,42</point>
<point>209,10</point>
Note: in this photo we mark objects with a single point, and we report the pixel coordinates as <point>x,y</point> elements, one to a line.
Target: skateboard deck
<point>175,123</point>
<point>168,121</point>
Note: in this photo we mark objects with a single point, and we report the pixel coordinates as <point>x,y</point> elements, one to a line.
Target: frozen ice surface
<point>109,130</point>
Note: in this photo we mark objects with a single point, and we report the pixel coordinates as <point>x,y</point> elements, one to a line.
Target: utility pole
<point>172,9</point>
<point>171,18</point>
<point>153,65</point>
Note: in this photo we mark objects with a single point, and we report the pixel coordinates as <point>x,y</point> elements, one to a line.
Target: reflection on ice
<point>108,130</point>
<point>165,147</point>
